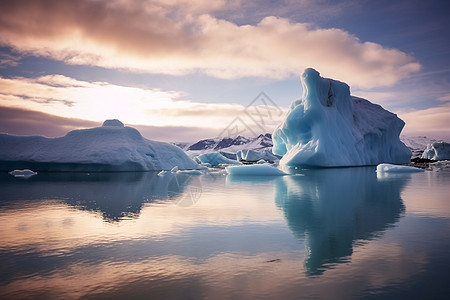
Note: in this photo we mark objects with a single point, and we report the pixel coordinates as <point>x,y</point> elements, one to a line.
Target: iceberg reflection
<point>333,209</point>
<point>115,195</point>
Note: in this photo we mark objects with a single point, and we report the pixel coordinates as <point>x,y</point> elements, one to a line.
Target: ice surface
<point>215,159</point>
<point>112,147</point>
<point>255,155</point>
<point>330,128</point>
<point>23,173</point>
<point>437,151</point>
<point>388,168</point>
<point>254,170</point>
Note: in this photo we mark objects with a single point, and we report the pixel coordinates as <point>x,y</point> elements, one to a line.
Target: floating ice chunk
<point>215,159</point>
<point>254,170</point>
<point>190,172</point>
<point>437,151</point>
<point>388,168</point>
<point>330,128</point>
<point>174,169</point>
<point>261,161</point>
<point>26,173</point>
<point>111,147</point>
<point>162,173</point>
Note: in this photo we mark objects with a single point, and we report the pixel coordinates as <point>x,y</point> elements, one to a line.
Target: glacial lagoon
<point>335,233</point>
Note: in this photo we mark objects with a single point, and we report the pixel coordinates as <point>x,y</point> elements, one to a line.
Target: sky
<point>181,70</point>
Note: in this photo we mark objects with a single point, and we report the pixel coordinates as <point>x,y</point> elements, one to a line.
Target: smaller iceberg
<point>254,170</point>
<point>437,151</point>
<point>388,168</point>
<point>252,155</point>
<point>215,159</point>
<point>25,173</point>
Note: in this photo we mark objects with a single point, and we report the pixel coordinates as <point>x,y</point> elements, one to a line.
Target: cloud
<point>160,114</point>
<point>9,60</point>
<point>27,122</point>
<point>433,122</point>
<point>19,121</point>
<point>444,98</point>
<point>178,38</point>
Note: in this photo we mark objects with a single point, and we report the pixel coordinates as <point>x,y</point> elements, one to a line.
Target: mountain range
<point>231,145</point>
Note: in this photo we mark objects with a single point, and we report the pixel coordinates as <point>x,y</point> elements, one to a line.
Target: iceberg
<point>329,128</point>
<point>26,173</point>
<point>437,151</point>
<point>215,159</point>
<point>112,147</point>
<point>254,170</point>
<point>389,168</point>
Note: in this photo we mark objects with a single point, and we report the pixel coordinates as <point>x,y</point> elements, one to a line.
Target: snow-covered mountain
<point>227,144</point>
<point>417,144</point>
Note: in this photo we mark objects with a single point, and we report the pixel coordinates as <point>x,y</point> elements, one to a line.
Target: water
<point>321,234</point>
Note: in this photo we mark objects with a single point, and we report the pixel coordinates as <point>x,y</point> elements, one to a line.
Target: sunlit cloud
<point>178,37</point>
<point>68,103</point>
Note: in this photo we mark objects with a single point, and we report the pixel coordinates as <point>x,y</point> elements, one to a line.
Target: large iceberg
<point>330,128</point>
<point>109,148</point>
<point>437,151</point>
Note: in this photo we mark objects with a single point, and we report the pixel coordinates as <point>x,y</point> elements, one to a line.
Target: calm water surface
<point>322,234</point>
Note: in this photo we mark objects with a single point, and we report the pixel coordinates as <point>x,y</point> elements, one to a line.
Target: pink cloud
<point>432,122</point>
<point>176,37</point>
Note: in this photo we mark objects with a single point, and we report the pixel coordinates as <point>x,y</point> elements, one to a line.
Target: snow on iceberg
<point>254,170</point>
<point>330,128</point>
<point>110,148</point>
<point>215,159</point>
<point>437,151</point>
<point>388,168</point>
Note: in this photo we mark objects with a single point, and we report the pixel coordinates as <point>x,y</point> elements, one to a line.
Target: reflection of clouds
<point>428,194</point>
<point>333,208</point>
<point>232,243</point>
<point>114,195</point>
<point>221,275</point>
<point>70,210</point>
